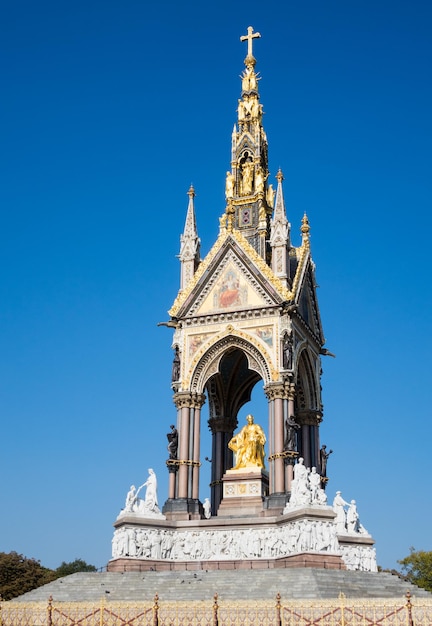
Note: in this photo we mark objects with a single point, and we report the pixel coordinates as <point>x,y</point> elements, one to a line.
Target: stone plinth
<point>304,536</point>
<point>244,491</point>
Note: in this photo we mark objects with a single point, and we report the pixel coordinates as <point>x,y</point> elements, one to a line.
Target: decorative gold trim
<point>215,483</point>
<point>182,295</point>
<point>289,454</point>
<point>302,252</point>
<point>176,462</point>
<point>262,266</point>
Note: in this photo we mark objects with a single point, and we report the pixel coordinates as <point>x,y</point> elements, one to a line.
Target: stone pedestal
<point>182,509</point>
<point>244,491</point>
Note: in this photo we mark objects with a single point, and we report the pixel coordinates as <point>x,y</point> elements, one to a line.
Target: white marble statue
<point>305,488</point>
<point>352,518</point>
<point>151,501</point>
<point>207,508</point>
<point>147,507</point>
<point>314,485</point>
<point>130,499</point>
<point>338,508</point>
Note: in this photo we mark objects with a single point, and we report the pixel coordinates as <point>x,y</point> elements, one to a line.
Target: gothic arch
<point>208,365</point>
<point>307,382</point>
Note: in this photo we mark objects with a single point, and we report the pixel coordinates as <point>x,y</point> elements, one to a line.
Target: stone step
<point>292,583</point>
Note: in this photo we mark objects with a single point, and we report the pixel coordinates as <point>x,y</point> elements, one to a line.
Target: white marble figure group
<point>298,536</point>
<point>147,506</point>
<point>305,488</point>
<point>360,558</point>
<point>347,521</point>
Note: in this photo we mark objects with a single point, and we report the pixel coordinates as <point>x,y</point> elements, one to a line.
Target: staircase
<point>292,583</point>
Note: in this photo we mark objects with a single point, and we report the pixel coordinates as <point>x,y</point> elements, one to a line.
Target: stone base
<point>302,537</point>
<point>244,491</point>
<point>182,509</point>
<point>275,503</point>
<point>305,559</point>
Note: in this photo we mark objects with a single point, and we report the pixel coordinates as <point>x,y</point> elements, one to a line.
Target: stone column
<point>276,394</point>
<point>222,458</point>
<point>309,420</point>
<point>171,483</point>
<point>198,402</point>
<point>183,402</point>
<point>306,444</point>
<point>289,462</point>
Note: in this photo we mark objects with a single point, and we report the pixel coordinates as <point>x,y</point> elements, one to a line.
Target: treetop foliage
<point>19,574</point>
<point>417,567</point>
<point>74,566</point>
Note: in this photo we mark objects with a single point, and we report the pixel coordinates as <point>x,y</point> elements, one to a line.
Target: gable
<point>231,280</point>
<point>231,287</point>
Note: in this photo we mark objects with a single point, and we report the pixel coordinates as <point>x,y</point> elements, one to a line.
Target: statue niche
<point>247,174</point>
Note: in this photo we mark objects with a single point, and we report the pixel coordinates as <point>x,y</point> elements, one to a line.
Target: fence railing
<point>341,611</point>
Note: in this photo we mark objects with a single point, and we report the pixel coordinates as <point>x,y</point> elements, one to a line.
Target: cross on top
<point>249,37</point>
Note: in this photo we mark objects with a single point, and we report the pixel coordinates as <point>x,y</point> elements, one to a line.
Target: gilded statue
<point>249,80</point>
<point>229,185</point>
<point>248,445</point>
<point>247,172</point>
<point>270,196</point>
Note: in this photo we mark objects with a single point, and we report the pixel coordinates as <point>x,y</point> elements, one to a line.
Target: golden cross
<point>251,35</point>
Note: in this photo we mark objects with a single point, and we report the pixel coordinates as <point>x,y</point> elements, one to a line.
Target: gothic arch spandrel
<point>207,362</point>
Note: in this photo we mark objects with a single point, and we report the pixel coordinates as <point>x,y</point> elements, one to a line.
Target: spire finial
<point>279,176</point>
<point>250,60</point>
<point>191,192</point>
<point>305,229</point>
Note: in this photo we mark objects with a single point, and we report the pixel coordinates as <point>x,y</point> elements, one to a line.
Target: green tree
<point>74,566</point>
<point>417,567</point>
<point>18,574</point>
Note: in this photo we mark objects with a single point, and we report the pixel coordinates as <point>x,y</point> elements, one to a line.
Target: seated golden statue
<point>248,445</point>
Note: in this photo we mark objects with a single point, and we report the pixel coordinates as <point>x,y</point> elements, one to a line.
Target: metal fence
<point>336,612</point>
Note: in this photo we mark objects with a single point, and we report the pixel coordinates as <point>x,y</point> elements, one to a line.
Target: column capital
<point>188,399</point>
<point>291,390</point>
<point>274,391</point>
<point>222,424</point>
<point>309,417</point>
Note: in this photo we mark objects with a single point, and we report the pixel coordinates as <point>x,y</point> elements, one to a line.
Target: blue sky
<point>109,111</point>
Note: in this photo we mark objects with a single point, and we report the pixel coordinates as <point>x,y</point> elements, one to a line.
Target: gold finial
<point>279,176</point>
<point>250,60</point>
<point>305,229</point>
<point>191,192</point>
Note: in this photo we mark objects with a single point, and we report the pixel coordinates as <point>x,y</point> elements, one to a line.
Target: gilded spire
<point>246,190</point>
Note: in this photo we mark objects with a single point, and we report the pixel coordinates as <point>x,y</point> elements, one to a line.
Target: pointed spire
<point>279,232</point>
<point>279,212</point>
<point>189,243</point>
<point>190,224</point>
<point>246,189</point>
